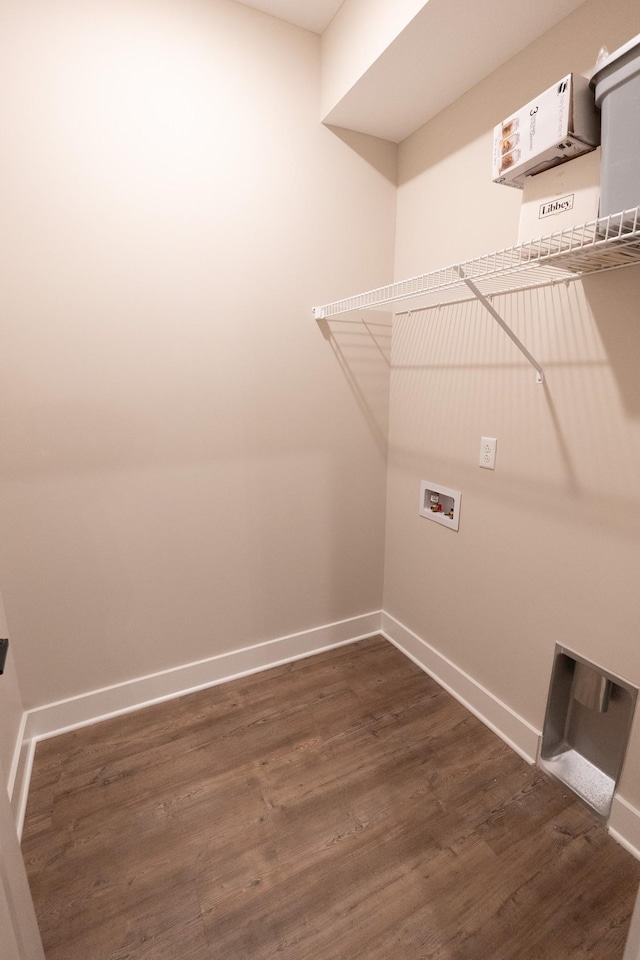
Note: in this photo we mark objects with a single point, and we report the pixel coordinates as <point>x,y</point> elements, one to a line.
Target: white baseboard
<point>624,825</point>
<point>14,770</point>
<point>20,793</point>
<point>505,722</point>
<point>74,712</point>
<point>20,775</point>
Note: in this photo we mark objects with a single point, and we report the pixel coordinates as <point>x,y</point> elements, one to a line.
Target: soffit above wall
<point>314,15</point>
<point>448,47</point>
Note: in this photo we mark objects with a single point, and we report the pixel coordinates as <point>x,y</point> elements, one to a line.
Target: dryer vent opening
<point>586,728</point>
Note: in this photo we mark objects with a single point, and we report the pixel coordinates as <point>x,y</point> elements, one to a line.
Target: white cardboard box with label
<point>564,196</point>
<point>561,123</point>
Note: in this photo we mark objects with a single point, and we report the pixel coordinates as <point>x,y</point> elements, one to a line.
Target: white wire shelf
<point>603,244</point>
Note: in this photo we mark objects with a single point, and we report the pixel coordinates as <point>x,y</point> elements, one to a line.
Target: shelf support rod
<point>496,316</point>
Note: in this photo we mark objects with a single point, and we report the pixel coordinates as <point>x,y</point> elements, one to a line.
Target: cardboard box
<point>563,196</point>
<point>561,123</point>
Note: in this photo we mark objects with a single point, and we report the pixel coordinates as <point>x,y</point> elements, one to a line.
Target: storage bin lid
<point>619,67</point>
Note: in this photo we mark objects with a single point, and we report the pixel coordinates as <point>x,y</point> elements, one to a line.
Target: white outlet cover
<point>487,457</point>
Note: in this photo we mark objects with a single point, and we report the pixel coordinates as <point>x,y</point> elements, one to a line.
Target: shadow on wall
<point>473,117</point>
<point>363,350</point>
<point>385,161</point>
<point>613,302</point>
<point>571,46</point>
<point>456,376</point>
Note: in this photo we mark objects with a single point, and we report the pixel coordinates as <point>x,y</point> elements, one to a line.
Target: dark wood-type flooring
<point>339,807</point>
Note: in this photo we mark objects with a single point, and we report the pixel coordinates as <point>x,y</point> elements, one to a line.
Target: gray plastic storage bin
<point>617,92</point>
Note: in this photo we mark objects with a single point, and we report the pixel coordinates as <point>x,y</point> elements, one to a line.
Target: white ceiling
<point>314,15</point>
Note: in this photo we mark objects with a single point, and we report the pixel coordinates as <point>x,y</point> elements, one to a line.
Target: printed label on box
<point>557,205</point>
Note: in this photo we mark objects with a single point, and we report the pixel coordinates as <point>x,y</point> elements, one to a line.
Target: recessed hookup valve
<point>4,646</point>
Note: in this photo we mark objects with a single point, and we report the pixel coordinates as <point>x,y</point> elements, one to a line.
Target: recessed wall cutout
<point>586,728</point>
<point>439,503</point>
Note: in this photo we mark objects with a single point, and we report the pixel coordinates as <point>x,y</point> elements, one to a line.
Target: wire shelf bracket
<point>505,326</point>
<point>607,243</point>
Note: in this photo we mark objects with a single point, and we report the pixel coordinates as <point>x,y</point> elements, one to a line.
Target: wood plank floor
<point>339,807</point>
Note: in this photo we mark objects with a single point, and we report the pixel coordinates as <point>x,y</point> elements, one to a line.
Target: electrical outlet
<point>488,452</point>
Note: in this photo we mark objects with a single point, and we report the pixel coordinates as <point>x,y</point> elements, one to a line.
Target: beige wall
<point>548,546</point>
<point>187,466</point>
<point>11,708</point>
